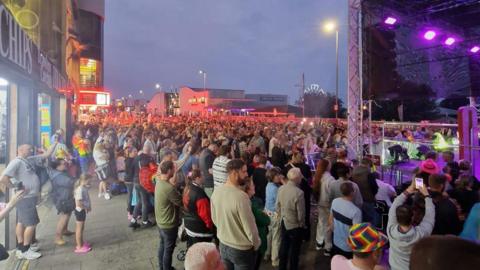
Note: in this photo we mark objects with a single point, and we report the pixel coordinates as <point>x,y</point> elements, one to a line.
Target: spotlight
<point>3,82</point>
<point>390,21</point>
<point>449,41</point>
<point>475,49</point>
<point>429,35</point>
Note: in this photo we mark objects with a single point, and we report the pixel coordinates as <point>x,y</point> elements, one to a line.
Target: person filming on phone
<point>401,232</point>
<point>20,174</point>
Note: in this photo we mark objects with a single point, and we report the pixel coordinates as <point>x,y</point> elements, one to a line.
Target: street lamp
<point>157,86</point>
<point>329,27</point>
<point>202,72</point>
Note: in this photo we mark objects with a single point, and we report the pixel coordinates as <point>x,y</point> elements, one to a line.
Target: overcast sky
<point>261,46</point>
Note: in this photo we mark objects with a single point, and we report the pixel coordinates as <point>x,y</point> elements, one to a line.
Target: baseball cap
<point>363,238</point>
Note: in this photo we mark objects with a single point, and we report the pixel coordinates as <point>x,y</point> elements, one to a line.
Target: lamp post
<point>330,27</point>
<point>158,86</point>
<point>202,72</point>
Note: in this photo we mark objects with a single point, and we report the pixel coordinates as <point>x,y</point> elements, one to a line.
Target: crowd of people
<point>243,191</point>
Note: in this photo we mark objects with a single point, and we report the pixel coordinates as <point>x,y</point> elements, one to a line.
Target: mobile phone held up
<point>418,183</point>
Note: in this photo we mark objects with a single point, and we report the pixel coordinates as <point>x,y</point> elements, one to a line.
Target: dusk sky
<point>261,46</point>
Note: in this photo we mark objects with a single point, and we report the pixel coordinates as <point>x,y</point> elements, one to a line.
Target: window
<point>89,73</point>
<point>45,121</point>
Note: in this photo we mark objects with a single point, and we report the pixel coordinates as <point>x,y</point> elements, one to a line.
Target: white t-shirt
<point>100,157</point>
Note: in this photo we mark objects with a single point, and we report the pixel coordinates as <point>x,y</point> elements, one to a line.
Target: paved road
<point>115,246</point>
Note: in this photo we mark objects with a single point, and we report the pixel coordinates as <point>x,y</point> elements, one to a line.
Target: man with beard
<point>232,214</point>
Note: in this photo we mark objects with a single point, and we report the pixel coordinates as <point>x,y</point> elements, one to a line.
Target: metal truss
<point>354,97</point>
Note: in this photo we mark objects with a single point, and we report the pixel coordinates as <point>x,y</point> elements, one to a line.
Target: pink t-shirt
<point>341,263</point>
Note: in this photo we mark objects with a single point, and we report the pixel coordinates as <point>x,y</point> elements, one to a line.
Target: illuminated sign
<point>98,98</point>
<point>315,88</point>
<point>14,42</point>
<point>102,99</point>
<point>17,48</point>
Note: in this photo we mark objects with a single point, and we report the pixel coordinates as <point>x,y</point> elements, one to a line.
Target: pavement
<point>115,246</point>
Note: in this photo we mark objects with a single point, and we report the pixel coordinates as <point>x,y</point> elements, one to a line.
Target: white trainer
<point>100,194</point>
<point>28,255</point>
<point>35,246</point>
<point>107,196</point>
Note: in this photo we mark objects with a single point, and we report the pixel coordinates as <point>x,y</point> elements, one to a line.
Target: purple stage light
<point>429,35</point>
<point>449,41</point>
<point>390,20</point>
<point>475,49</point>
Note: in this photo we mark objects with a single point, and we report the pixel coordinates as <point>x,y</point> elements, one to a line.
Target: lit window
<point>89,72</point>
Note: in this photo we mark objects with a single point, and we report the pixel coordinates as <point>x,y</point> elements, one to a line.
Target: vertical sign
<point>45,125</point>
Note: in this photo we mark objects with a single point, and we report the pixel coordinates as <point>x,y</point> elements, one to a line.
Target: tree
<point>321,104</point>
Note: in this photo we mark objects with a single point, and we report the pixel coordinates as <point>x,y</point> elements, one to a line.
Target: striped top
<point>219,170</point>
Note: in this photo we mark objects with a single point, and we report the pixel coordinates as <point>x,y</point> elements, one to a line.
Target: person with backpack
<point>62,193</point>
<point>145,168</point>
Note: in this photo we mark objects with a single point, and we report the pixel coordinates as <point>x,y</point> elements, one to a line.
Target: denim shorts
<point>27,211</point>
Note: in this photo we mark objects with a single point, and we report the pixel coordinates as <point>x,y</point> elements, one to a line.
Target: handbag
<point>3,253</point>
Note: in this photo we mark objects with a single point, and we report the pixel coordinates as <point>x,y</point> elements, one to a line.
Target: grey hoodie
<point>401,243</point>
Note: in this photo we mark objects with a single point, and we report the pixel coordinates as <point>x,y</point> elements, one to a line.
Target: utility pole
<point>302,95</point>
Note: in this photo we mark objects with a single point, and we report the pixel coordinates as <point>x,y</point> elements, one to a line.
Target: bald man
<point>22,170</point>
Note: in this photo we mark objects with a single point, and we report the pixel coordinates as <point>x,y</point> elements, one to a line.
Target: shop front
<point>31,106</point>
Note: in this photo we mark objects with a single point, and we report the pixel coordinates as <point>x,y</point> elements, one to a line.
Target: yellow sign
<point>45,116</point>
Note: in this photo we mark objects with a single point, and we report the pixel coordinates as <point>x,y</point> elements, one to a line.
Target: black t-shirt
<point>466,199</point>
<point>129,169</point>
<point>446,216</point>
<point>260,180</point>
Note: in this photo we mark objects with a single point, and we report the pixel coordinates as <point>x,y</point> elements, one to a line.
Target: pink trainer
<point>83,250</point>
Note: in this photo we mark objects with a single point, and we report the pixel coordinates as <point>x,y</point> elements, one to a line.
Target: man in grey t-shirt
<point>22,169</point>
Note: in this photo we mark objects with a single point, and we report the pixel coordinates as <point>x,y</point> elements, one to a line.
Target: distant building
<point>90,93</point>
<point>269,99</point>
<point>199,101</point>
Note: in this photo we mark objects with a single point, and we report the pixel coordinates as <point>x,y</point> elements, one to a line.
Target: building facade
<point>33,79</point>
<point>91,94</point>
<point>199,101</point>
